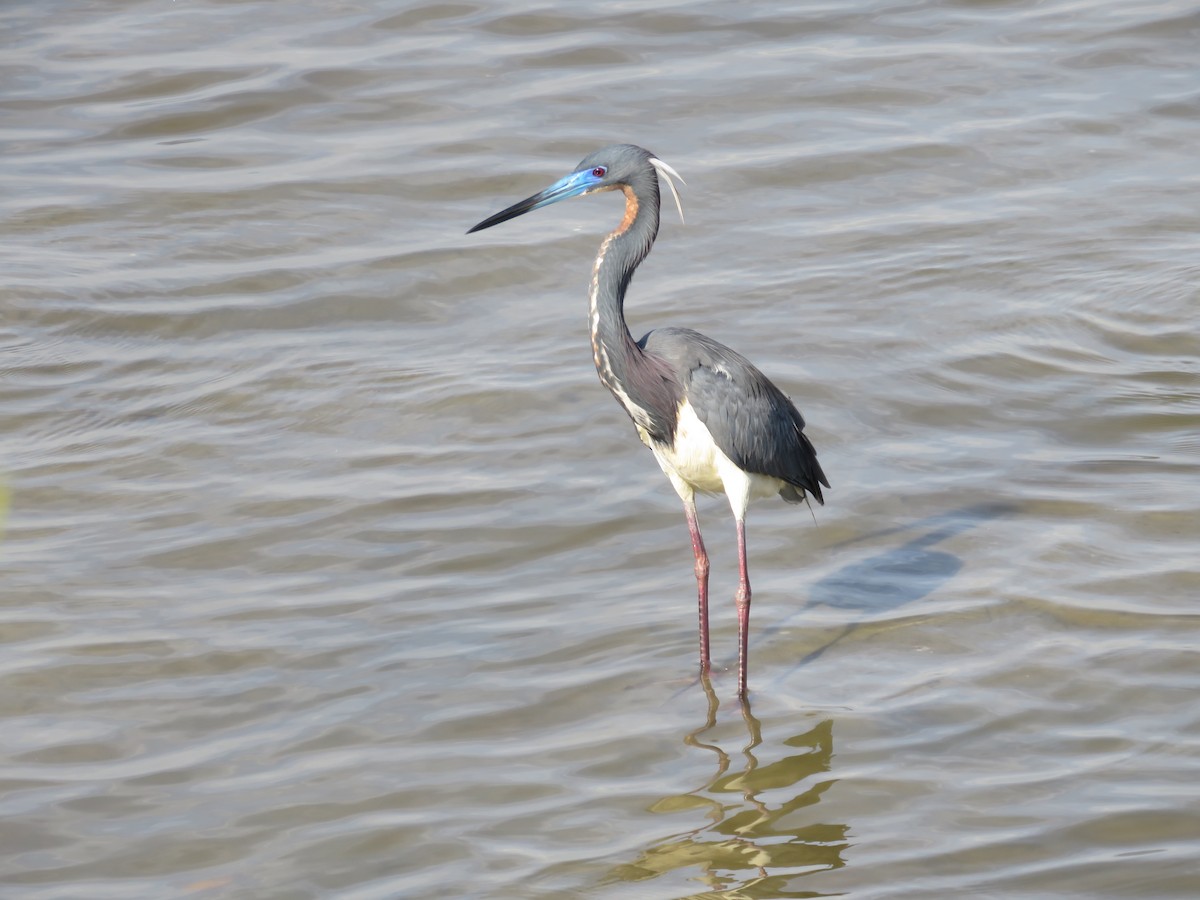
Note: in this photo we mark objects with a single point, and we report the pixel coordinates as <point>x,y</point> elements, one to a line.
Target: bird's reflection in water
<point>761,834</point>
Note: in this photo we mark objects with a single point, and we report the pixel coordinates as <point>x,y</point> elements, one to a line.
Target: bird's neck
<point>636,379</point>
<point>620,254</point>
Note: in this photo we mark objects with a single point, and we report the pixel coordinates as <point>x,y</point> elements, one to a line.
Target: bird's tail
<point>794,494</point>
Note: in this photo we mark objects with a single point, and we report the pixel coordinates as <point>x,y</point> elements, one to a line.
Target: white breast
<point>694,462</point>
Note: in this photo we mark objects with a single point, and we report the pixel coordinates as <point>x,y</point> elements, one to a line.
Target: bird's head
<point>618,166</point>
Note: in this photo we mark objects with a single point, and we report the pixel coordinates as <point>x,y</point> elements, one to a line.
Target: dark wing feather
<point>750,419</point>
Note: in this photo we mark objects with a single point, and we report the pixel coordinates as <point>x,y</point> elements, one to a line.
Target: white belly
<point>695,463</point>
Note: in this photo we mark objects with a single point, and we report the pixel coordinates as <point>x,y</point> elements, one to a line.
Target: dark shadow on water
<point>898,576</point>
<point>747,847</point>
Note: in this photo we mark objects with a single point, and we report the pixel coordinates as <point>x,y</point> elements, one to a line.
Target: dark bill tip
<point>517,209</point>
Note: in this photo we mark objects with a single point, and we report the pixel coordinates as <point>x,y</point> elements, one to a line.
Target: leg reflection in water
<point>761,830</point>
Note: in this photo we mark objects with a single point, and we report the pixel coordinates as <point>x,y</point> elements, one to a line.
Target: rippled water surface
<point>330,570</point>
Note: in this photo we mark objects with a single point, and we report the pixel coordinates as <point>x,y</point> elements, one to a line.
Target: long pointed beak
<point>572,186</point>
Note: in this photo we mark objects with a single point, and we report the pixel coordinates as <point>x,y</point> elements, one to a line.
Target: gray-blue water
<point>329,568</point>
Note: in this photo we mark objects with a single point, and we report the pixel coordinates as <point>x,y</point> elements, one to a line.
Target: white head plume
<point>666,172</point>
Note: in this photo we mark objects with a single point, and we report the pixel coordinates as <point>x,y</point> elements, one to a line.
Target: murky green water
<point>330,570</point>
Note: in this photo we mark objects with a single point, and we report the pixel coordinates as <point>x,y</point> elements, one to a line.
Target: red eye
<point>599,172</point>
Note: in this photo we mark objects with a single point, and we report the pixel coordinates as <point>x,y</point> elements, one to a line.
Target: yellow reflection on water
<point>3,505</point>
<point>760,831</point>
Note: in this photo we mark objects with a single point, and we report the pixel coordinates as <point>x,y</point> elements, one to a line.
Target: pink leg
<point>689,508</point>
<point>743,608</point>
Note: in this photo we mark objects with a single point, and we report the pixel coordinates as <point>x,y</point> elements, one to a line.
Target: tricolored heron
<point>714,422</point>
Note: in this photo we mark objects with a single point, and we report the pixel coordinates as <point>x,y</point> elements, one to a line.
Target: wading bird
<point>714,422</point>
